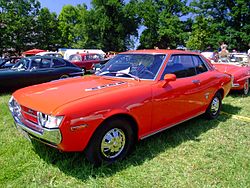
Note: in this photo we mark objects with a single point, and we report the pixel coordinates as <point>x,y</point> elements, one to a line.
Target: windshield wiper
<point>127,74</point>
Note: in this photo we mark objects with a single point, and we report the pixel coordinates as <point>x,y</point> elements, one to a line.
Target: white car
<point>54,54</point>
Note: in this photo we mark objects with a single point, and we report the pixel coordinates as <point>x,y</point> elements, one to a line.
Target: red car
<point>86,61</point>
<point>135,95</point>
<point>240,74</point>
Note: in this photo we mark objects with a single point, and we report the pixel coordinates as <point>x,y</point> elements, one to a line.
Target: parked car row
<point>133,96</point>
<point>35,70</point>
<point>236,65</point>
<point>8,62</point>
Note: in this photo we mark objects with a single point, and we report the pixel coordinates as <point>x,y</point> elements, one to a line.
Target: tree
<point>48,33</point>
<point>201,34</point>
<point>17,23</point>
<point>229,21</point>
<point>68,21</point>
<point>161,19</point>
<point>109,26</point>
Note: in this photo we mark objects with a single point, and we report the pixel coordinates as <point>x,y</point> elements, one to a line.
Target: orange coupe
<point>135,95</point>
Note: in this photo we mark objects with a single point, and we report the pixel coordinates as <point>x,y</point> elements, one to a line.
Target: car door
<point>60,69</point>
<point>41,70</point>
<point>181,99</point>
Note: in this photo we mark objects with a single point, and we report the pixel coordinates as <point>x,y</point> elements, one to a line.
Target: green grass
<point>197,153</point>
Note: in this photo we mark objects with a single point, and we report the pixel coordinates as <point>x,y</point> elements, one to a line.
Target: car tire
<point>112,141</point>
<point>214,107</point>
<point>83,71</point>
<point>245,90</point>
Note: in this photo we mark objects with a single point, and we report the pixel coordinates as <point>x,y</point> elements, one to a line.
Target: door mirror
<point>169,78</point>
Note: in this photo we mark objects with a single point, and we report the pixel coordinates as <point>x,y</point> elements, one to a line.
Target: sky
<point>56,5</point>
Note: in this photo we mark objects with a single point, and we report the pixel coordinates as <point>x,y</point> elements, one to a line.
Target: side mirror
<point>168,78</point>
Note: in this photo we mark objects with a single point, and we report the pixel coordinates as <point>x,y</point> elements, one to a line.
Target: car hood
<point>52,95</point>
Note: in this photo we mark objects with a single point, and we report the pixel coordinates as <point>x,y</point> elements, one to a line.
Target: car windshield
<point>22,64</point>
<point>137,66</point>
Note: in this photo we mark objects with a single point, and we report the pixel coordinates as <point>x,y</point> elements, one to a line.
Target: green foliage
<point>162,21</point>
<point>17,23</point>
<point>68,21</point>
<point>228,21</point>
<point>114,25</point>
<point>109,25</point>
<point>48,33</point>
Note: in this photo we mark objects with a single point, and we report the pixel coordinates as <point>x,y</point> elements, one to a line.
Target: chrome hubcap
<point>113,143</point>
<point>246,87</point>
<point>215,105</point>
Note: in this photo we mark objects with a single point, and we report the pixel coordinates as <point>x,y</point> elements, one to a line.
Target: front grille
<point>29,118</point>
<point>29,114</point>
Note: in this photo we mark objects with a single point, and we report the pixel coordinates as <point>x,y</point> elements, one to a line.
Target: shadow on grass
<point>238,94</point>
<point>6,92</point>
<point>75,164</point>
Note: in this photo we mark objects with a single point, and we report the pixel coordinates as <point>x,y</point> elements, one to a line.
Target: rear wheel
<point>214,107</point>
<point>246,87</point>
<point>64,76</point>
<point>112,141</point>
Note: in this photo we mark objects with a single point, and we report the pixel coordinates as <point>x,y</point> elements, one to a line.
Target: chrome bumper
<point>52,136</point>
<point>49,136</point>
<point>235,85</point>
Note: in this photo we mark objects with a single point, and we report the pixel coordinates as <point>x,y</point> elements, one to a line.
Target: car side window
<point>34,64</point>
<point>45,63</point>
<point>57,63</point>
<point>180,65</point>
<point>199,64</point>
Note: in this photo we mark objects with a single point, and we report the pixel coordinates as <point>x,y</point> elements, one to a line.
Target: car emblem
<point>31,111</point>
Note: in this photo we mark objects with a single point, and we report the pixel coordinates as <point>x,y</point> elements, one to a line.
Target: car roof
<point>159,51</point>
<point>44,53</point>
<point>39,57</point>
<point>84,54</point>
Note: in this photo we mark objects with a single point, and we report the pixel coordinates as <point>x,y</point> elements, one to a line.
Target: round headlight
<point>49,121</point>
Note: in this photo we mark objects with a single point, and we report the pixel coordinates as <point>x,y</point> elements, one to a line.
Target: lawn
<point>197,153</point>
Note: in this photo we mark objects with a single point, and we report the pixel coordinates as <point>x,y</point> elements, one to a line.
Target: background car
<point>8,62</point>
<point>54,54</point>
<point>135,95</point>
<point>241,76</point>
<point>35,70</point>
<point>86,61</point>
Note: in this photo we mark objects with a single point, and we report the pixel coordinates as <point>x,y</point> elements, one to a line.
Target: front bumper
<point>49,136</point>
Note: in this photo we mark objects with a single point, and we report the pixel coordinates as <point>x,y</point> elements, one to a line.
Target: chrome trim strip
<point>235,85</point>
<point>78,127</point>
<point>165,128</point>
<point>29,114</point>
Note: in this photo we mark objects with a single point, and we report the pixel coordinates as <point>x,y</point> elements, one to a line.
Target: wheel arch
<point>126,117</point>
<point>222,92</point>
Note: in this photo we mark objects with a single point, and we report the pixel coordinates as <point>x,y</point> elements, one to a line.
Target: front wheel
<point>214,107</point>
<point>246,87</point>
<point>112,141</point>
